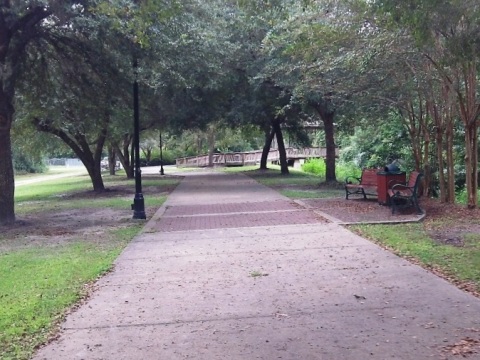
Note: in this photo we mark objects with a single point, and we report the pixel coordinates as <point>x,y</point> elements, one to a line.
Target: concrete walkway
<point>229,269</point>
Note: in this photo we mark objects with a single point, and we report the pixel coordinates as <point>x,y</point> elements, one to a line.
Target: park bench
<point>406,195</point>
<point>364,185</point>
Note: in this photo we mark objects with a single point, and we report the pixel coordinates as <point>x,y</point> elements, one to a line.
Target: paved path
<point>229,269</point>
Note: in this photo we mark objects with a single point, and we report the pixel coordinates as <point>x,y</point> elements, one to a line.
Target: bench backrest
<point>369,177</point>
<point>414,180</point>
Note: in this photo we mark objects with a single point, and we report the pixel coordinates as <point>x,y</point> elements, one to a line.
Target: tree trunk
<point>7,182</point>
<point>470,112</point>
<point>16,31</point>
<point>211,145</point>
<point>330,147</point>
<point>281,147</point>
<point>427,176</point>
<point>111,160</point>
<point>327,116</point>
<point>440,163</point>
<point>7,179</point>
<point>266,148</point>
<point>124,156</point>
<point>95,172</point>
<point>471,158</point>
<point>148,154</point>
<point>80,146</point>
<point>124,159</point>
<point>450,162</point>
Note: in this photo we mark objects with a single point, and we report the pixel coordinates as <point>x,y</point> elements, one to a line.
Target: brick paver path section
<point>234,215</point>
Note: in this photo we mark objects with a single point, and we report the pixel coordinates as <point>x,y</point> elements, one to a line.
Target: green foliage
<point>342,169</point>
<point>377,144</point>
<point>461,196</point>
<point>27,164</point>
<point>315,166</point>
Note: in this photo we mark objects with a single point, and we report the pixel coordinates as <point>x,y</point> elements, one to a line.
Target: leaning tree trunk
<point>125,157</point>
<point>266,148</point>
<point>281,147</point>
<point>95,172</point>
<point>81,147</point>
<point>7,182</point>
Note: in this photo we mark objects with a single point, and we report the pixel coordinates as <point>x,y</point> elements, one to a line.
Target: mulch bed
<point>360,210</point>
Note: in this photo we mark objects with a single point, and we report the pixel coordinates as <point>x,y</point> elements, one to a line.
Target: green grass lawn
<point>39,283</point>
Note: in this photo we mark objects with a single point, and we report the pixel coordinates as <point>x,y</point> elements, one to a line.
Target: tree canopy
<point>407,67</point>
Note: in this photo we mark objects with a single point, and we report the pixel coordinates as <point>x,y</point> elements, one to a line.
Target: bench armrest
<point>394,182</point>
<point>400,187</point>
<point>349,179</point>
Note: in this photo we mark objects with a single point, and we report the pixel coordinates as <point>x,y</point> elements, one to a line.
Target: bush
<point>342,169</point>
<point>168,159</point>
<point>315,166</point>
<point>23,164</point>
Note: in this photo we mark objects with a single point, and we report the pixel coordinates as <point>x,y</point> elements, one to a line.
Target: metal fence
<point>65,162</point>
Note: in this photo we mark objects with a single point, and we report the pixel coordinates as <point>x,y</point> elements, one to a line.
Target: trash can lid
<point>392,168</point>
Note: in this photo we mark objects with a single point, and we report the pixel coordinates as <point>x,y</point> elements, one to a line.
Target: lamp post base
<point>138,207</point>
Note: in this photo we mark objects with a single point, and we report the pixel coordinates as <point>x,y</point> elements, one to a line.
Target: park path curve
<point>230,269</point>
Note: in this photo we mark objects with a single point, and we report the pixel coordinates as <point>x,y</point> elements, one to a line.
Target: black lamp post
<point>138,205</point>
<point>161,155</point>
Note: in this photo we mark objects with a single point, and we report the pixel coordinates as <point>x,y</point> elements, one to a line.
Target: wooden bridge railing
<point>250,157</point>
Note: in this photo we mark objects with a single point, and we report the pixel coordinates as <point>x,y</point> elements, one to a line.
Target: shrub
<point>23,164</point>
<point>315,166</point>
<point>342,169</point>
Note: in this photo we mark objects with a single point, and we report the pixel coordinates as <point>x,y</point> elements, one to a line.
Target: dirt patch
<point>360,210</point>
<point>449,224</point>
<point>54,227</point>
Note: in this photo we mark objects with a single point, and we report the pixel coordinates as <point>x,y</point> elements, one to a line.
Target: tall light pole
<point>161,155</point>
<point>138,205</point>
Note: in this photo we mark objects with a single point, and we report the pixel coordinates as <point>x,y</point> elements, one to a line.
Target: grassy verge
<point>41,281</point>
<point>458,264</point>
<point>58,194</point>
<point>297,185</point>
<point>39,284</point>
